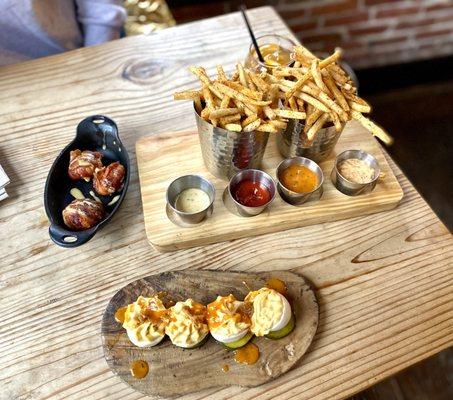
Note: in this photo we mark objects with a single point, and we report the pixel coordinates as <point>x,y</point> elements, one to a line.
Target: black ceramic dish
<point>95,133</point>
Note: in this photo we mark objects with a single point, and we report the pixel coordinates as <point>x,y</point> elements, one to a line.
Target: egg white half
<point>229,338</point>
<point>185,345</point>
<point>286,315</point>
<point>143,343</point>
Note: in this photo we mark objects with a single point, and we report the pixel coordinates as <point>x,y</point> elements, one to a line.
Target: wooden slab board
<point>174,371</point>
<point>162,158</point>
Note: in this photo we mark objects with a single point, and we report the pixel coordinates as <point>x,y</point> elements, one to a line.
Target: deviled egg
<point>229,321</point>
<point>144,321</point>
<point>187,326</point>
<point>272,316</point>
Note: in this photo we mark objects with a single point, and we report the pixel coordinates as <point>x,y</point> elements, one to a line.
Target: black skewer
<point>255,44</point>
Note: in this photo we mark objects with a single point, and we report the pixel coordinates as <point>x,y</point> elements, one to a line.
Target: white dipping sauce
<point>192,200</point>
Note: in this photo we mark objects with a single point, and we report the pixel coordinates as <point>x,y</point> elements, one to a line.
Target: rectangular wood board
<point>164,157</point>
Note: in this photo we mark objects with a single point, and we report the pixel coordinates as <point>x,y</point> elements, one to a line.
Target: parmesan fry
<point>221,76</point>
<point>252,126</point>
<point>249,119</point>
<point>317,126</point>
<point>267,128</point>
<point>290,114</point>
<point>375,129</point>
<point>316,72</point>
<point>233,127</point>
<point>238,95</point>
<point>223,112</point>
<point>187,95</point>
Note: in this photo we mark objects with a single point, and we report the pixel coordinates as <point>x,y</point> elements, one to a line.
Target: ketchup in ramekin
<point>251,193</point>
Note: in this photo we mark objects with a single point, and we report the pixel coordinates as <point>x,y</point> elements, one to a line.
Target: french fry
<point>375,129</point>
<point>205,113</point>
<point>279,124</point>
<point>258,81</point>
<point>200,73</point>
<point>336,121</point>
<point>238,95</point>
<point>269,112</point>
<point>314,102</point>
<point>249,119</point>
<point>225,102</point>
<point>290,114</point>
<point>336,92</point>
<point>267,128</point>
<point>358,104</point>
<point>316,72</point>
<point>233,127</point>
<point>300,105</point>
<point>198,105</point>
<point>242,76</point>
<point>252,126</point>
<point>253,94</point>
<point>292,104</point>
<point>312,118</point>
<point>209,103</point>
<point>223,112</point>
<point>221,76</point>
<point>187,95</point>
<point>314,91</point>
<point>317,126</point>
<point>230,118</point>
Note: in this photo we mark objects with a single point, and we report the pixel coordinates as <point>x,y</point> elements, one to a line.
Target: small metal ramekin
<point>299,198</point>
<point>188,182</point>
<point>254,175</point>
<point>351,188</point>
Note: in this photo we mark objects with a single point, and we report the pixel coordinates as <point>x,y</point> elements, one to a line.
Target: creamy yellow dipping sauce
<point>356,170</point>
<point>192,200</point>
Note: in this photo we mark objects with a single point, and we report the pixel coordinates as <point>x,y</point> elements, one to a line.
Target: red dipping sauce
<point>251,194</point>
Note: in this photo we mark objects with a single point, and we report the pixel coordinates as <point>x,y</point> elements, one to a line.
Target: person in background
<point>37,28</point>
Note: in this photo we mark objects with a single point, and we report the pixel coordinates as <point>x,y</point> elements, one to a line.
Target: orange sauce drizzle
<point>278,285</point>
<point>241,314</point>
<point>119,314</point>
<point>139,369</point>
<point>226,368</point>
<point>249,354</point>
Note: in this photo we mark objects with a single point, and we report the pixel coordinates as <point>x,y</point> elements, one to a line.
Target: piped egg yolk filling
<point>228,316</point>
<point>146,318</point>
<point>187,324</point>
<point>268,308</point>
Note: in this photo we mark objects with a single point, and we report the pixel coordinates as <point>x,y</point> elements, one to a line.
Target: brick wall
<point>372,32</point>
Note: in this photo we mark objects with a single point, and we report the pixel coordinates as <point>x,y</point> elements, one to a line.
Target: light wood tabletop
<point>384,281</point>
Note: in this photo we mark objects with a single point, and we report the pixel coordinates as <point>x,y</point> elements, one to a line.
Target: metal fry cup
<point>295,198</point>
<point>253,175</point>
<point>291,141</point>
<point>225,152</point>
<point>187,182</point>
<point>352,188</point>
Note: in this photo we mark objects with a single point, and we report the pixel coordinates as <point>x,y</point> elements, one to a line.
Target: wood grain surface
<point>384,281</point>
<point>157,156</point>
<point>201,368</point>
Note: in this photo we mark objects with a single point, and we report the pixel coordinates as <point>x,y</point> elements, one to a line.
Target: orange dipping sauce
<point>299,179</point>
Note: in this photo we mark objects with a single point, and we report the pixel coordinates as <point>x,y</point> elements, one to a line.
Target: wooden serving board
<point>175,371</point>
<point>162,158</point>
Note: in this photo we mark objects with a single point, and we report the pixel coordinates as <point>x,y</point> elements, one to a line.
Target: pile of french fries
<point>243,103</point>
<point>316,92</point>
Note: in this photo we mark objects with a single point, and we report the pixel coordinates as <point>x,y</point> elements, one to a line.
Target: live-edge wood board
<point>162,158</point>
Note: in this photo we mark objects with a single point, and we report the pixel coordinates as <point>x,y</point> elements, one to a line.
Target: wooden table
<point>385,281</point>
